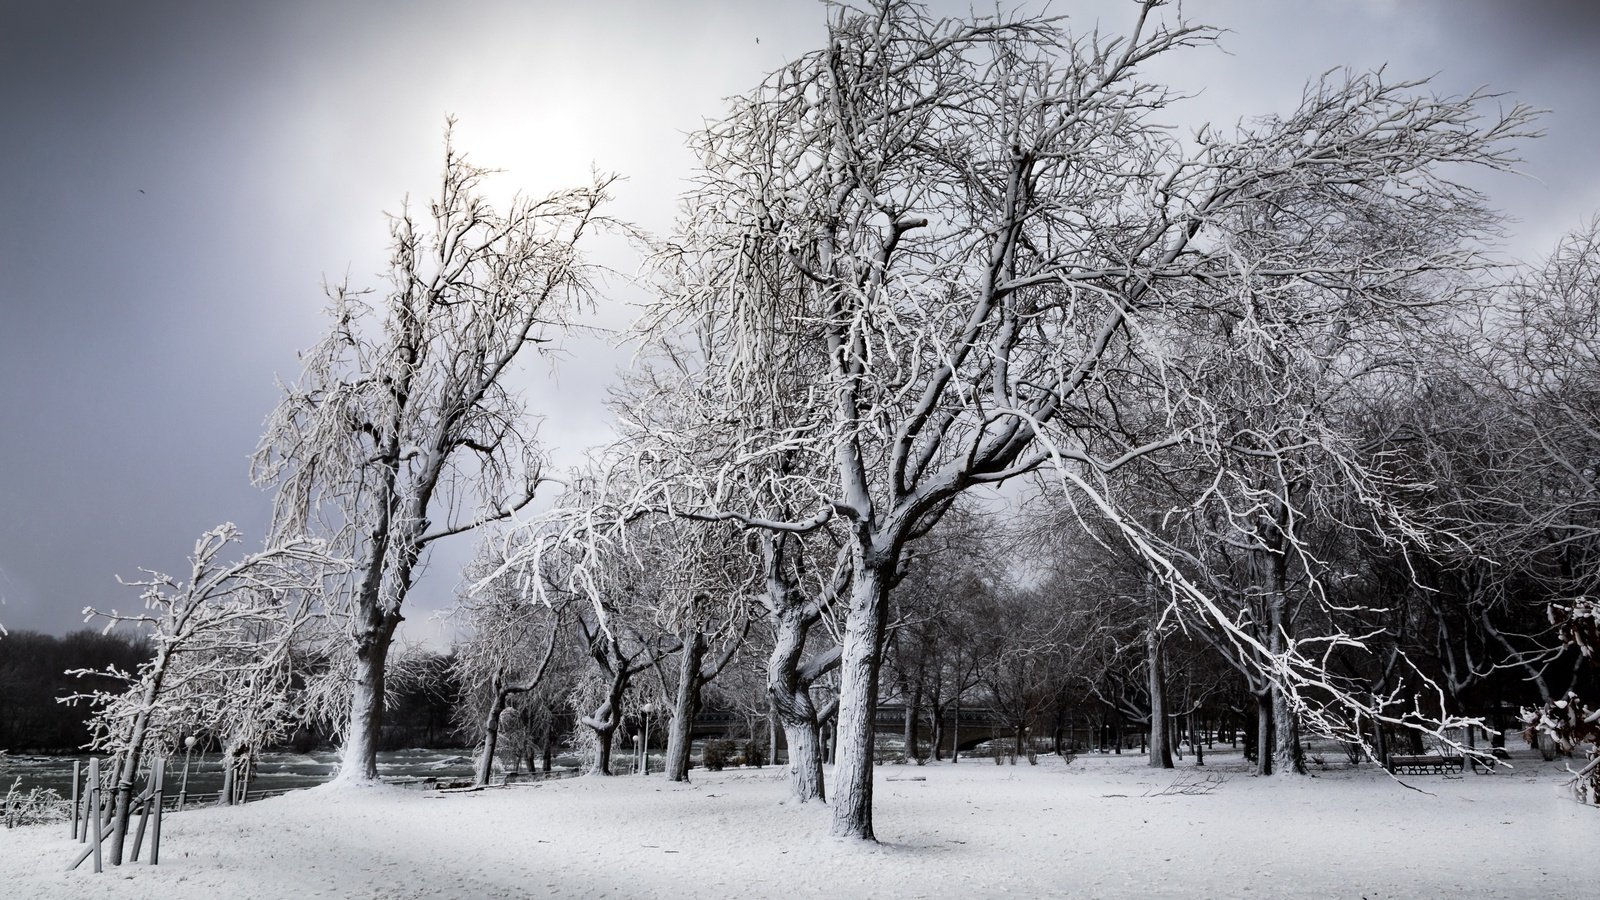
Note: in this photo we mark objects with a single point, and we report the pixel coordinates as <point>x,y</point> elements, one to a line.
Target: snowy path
<point>974,830</point>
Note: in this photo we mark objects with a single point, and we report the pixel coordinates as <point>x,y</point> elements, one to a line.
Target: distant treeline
<point>422,704</point>
<point>33,675</point>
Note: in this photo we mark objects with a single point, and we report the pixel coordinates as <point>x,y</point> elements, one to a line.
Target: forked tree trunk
<point>502,694</point>
<point>789,680</point>
<point>605,720</point>
<point>858,702</point>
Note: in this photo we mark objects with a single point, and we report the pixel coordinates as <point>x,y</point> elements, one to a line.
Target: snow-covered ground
<point>1099,827</point>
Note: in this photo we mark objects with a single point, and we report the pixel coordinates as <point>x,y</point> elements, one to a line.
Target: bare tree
<point>401,430</point>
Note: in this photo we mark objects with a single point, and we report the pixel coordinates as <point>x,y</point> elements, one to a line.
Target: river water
<point>275,771</point>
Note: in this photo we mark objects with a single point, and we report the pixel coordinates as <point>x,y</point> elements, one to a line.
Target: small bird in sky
<point>141,190</point>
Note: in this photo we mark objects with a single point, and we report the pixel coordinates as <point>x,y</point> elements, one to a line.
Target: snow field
<point>1099,827</point>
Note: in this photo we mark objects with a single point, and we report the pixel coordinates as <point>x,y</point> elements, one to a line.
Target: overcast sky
<point>177,179</point>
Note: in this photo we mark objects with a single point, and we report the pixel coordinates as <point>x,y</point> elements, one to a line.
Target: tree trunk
<point>1160,746</point>
<point>235,759</point>
<point>491,730</point>
<point>602,753</point>
<point>955,730</point>
<point>805,763</point>
<point>123,800</point>
<point>1380,743</point>
<point>858,702</point>
<point>359,759</point>
<point>797,715</point>
<point>1287,760</point>
<point>685,707</point>
<point>789,693</point>
<point>230,778</point>
<point>1264,733</point>
<point>909,725</point>
<point>605,720</point>
<point>547,749</point>
<point>123,811</point>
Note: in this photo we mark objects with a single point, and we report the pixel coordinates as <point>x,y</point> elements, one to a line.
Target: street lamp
<point>183,790</point>
<point>644,759</point>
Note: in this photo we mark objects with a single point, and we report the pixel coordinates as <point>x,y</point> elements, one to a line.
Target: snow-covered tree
<point>222,642</point>
<point>508,652</point>
<point>705,605</point>
<point>988,235</point>
<point>402,430</point>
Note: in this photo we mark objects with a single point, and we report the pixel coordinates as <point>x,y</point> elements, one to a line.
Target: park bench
<point>1425,764</point>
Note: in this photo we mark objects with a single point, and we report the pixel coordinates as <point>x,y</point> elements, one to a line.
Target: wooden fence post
<point>155,833</point>
<point>75,775</point>
<point>144,819</point>
<point>94,804</point>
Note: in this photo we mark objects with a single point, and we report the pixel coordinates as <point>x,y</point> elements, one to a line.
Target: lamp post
<point>644,758</point>
<point>183,789</point>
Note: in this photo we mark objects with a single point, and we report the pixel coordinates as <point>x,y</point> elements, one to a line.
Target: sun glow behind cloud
<point>182,176</point>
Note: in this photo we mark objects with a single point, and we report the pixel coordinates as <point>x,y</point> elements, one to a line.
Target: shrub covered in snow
<point>1572,725</point>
